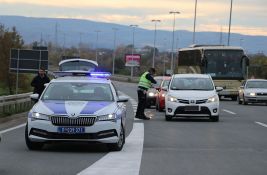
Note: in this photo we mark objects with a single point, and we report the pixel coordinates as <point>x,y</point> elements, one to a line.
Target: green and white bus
<point>227,65</point>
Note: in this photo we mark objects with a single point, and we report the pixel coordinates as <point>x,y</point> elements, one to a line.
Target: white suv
<point>192,95</point>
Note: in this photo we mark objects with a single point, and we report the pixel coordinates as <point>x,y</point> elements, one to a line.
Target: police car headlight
<point>163,95</point>
<point>106,117</point>
<point>172,99</point>
<point>213,99</point>
<point>38,116</point>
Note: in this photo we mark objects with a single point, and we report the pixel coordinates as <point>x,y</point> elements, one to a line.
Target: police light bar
<point>81,73</point>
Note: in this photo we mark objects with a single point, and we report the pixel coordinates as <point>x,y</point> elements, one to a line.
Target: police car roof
<point>85,79</point>
<point>191,76</point>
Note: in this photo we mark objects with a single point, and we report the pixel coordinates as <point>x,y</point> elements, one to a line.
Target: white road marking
<point>13,128</point>
<point>262,124</point>
<point>125,162</point>
<point>230,112</point>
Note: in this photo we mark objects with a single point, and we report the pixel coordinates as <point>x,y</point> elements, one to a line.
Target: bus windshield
<point>224,63</point>
<point>77,65</point>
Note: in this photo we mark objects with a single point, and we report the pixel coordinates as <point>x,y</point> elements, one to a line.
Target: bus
<point>227,65</point>
<point>77,64</point>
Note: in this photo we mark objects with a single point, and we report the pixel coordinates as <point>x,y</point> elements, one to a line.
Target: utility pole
<point>155,35</point>
<point>174,13</point>
<point>230,21</point>
<point>194,35</point>
<point>114,51</point>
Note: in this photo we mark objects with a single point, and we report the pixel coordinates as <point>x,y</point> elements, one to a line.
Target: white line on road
<point>13,128</point>
<point>230,112</point>
<point>127,161</point>
<point>262,124</point>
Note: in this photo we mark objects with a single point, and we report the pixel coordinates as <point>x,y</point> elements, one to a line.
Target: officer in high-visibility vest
<point>144,84</point>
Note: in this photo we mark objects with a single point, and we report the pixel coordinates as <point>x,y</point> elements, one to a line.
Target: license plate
<point>71,130</point>
<point>191,108</point>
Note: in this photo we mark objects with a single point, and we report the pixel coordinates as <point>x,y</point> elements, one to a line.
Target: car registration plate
<point>71,130</point>
<point>192,108</point>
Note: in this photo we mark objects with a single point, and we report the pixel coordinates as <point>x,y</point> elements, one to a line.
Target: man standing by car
<point>39,81</point>
<point>144,84</point>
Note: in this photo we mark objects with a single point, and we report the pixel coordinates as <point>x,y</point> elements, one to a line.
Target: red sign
<point>132,60</point>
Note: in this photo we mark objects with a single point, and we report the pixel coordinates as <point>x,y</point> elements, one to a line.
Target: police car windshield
<point>66,91</point>
<point>192,83</point>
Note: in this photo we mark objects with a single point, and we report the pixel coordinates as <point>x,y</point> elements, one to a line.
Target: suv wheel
<point>168,117</point>
<point>214,118</point>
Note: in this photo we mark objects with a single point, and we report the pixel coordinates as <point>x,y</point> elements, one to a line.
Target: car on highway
<point>160,101</point>
<point>253,91</point>
<point>77,107</point>
<point>192,95</point>
<point>152,92</point>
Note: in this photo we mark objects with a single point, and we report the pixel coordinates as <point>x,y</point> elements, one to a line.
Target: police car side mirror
<point>122,99</point>
<point>218,89</point>
<point>34,97</point>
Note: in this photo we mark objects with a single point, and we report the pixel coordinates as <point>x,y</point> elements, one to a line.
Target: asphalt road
<point>236,145</point>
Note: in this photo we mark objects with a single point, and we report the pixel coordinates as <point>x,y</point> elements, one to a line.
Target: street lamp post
<point>96,49</point>
<point>133,27</point>
<point>114,51</point>
<point>195,19</point>
<point>174,13</point>
<point>155,35</point>
<point>230,21</point>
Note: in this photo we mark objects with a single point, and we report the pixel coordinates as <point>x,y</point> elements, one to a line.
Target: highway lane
<point>235,145</point>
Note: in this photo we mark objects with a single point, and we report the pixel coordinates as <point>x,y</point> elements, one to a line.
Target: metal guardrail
<point>124,78</point>
<point>15,103</point>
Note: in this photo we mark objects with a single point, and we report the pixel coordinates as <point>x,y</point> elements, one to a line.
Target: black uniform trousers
<point>141,103</point>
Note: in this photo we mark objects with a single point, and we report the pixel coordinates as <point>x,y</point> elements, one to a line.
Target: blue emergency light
<point>81,73</point>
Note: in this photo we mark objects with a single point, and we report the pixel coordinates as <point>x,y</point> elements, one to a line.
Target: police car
<point>77,107</point>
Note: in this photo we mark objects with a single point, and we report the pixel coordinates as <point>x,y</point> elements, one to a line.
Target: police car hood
<point>76,108</point>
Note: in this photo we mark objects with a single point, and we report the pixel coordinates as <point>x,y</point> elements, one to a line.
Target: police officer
<point>144,84</point>
<point>39,81</point>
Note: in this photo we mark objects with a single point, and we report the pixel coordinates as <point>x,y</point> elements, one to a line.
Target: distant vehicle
<point>192,95</point>
<point>152,92</point>
<point>78,64</point>
<point>253,91</point>
<point>227,65</point>
<point>77,109</point>
<point>160,101</point>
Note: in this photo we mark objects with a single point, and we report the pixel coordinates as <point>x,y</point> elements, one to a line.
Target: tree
<point>8,39</point>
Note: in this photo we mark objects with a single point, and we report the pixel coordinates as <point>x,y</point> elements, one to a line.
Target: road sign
<point>28,61</point>
<point>132,60</point>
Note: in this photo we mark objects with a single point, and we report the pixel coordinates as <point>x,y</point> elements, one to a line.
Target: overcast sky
<point>249,16</point>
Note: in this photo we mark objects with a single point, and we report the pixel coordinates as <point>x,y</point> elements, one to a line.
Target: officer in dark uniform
<point>144,84</point>
<point>39,81</point>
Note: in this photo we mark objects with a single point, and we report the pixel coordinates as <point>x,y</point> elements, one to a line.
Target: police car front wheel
<point>119,145</point>
<point>32,145</point>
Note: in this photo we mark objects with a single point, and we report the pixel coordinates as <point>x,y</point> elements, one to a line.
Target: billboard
<point>132,60</point>
<point>28,61</point>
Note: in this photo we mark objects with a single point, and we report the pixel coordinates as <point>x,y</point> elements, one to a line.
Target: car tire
<point>168,117</point>
<point>214,118</point>
<point>244,101</point>
<point>119,145</point>
<point>157,105</point>
<point>32,145</point>
<point>238,100</point>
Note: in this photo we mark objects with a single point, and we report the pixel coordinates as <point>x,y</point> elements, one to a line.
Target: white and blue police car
<point>77,108</point>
